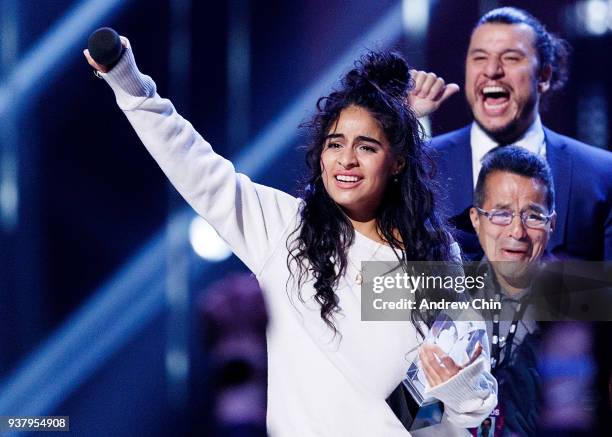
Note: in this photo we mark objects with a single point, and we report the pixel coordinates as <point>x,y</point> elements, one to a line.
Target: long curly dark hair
<point>406,218</point>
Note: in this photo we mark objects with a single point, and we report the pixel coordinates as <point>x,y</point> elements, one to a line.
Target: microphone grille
<point>105,46</point>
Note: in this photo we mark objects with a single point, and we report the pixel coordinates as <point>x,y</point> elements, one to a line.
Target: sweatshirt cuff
<point>130,86</point>
<point>464,386</point>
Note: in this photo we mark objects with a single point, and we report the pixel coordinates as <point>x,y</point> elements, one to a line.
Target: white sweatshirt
<point>318,384</point>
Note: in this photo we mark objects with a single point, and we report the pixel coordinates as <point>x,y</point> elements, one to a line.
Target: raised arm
<point>250,217</point>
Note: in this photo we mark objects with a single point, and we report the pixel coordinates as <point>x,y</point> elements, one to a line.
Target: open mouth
<point>514,253</point>
<point>347,180</point>
<point>495,98</point>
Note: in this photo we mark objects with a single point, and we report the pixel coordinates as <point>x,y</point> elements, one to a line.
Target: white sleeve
<point>470,395</point>
<point>249,217</point>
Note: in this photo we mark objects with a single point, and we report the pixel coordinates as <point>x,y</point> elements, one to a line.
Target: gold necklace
<point>359,277</point>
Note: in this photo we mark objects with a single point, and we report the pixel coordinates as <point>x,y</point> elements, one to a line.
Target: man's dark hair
<point>517,160</point>
<point>552,50</point>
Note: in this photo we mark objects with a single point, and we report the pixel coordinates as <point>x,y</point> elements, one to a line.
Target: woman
<point>367,199</point>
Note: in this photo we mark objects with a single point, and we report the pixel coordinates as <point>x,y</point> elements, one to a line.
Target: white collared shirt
<point>533,140</point>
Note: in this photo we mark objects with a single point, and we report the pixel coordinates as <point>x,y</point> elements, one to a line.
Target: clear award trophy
<point>459,340</point>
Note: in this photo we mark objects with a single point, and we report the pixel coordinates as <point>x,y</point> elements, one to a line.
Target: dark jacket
<point>582,176</point>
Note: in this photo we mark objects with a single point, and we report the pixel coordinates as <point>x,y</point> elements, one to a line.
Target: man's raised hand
<point>429,92</point>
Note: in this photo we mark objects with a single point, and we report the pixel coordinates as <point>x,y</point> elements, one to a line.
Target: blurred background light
<point>177,363</point>
<point>9,196</point>
<point>596,16</point>
<point>42,60</point>
<point>590,18</point>
<point>592,120</point>
<point>206,242</point>
<point>415,16</point>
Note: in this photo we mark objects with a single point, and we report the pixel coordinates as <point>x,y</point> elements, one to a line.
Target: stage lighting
<point>206,242</point>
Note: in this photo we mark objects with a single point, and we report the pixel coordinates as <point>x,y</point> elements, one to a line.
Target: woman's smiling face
<point>357,163</point>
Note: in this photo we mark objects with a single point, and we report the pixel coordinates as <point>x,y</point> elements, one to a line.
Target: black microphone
<point>105,47</point>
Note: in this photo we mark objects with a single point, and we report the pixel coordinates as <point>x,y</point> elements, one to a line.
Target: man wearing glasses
<point>514,217</point>
<point>513,213</point>
<point>512,64</point>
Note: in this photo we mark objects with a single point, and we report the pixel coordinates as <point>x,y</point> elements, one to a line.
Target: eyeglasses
<point>503,217</point>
